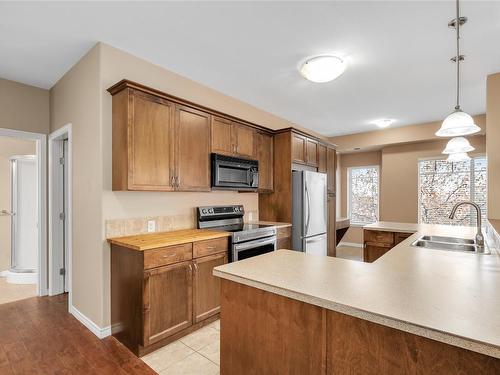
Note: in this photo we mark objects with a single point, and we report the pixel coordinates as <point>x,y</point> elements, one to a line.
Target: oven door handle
<point>255,243</point>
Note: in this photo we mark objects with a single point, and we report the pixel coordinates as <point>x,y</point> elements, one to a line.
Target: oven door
<point>253,248</point>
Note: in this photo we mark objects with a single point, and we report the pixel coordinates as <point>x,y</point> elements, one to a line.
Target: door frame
<point>41,153</point>
<point>56,256</point>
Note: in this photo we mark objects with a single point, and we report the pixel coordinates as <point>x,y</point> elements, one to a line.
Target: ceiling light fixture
<point>458,145</point>
<point>384,123</point>
<point>321,69</point>
<point>461,156</point>
<point>458,122</point>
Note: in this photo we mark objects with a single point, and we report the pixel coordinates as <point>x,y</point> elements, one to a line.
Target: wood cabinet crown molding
<point>125,83</point>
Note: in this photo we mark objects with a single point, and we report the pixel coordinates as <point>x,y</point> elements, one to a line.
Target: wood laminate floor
<point>39,336</point>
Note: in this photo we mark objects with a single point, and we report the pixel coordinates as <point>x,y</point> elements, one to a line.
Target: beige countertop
<point>447,296</point>
<point>389,226</point>
<point>273,223</point>
<point>342,222</point>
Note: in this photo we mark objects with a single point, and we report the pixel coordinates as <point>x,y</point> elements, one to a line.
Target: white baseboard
<point>4,273</point>
<point>91,326</point>
<point>350,244</point>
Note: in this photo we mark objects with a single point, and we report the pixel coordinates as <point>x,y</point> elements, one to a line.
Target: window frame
<point>440,157</point>
<point>349,196</point>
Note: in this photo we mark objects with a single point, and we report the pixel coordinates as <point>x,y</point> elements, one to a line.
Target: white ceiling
<point>398,52</point>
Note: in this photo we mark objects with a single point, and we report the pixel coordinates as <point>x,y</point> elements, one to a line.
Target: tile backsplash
<point>129,227</point>
<point>492,237</point>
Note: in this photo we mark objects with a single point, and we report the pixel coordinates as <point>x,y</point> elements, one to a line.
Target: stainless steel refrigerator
<point>309,212</point>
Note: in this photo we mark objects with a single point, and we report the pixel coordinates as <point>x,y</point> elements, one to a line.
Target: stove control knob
<point>203,211</point>
<point>211,210</point>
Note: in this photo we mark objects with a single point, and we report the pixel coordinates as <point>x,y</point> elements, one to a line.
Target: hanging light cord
<point>457,26</point>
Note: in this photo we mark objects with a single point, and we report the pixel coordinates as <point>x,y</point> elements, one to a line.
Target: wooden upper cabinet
<point>192,149</point>
<point>322,158</point>
<point>231,138</point>
<point>331,166</point>
<point>222,142</point>
<point>298,148</point>
<point>264,153</point>
<point>311,152</point>
<point>206,299</point>
<point>243,137</point>
<point>142,147</point>
<point>167,301</point>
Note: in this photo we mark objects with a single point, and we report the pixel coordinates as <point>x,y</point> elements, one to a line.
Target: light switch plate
<point>151,226</point>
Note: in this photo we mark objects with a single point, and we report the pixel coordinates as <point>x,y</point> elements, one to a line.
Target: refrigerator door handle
<point>308,209</point>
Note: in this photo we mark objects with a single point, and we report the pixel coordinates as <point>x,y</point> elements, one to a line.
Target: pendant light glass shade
<point>461,156</point>
<point>458,145</point>
<point>456,124</point>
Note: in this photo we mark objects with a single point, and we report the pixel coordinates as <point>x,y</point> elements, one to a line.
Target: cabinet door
<point>192,151</point>
<point>322,158</point>
<point>311,152</point>
<point>284,243</point>
<point>168,306</point>
<point>372,252</point>
<point>332,230</point>
<point>221,136</point>
<point>243,139</point>
<point>264,154</point>
<point>150,150</point>
<point>206,286</point>
<point>298,149</point>
<point>331,168</point>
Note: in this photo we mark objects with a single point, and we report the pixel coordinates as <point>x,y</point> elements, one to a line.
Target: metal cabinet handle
<point>196,267</point>
<point>172,181</point>
<point>178,181</point>
<point>6,213</point>
<point>190,267</point>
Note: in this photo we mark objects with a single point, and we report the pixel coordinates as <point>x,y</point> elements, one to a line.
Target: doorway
<point>22,215</point>
<point>60,212</point>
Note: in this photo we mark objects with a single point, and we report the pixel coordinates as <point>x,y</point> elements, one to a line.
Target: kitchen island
<point>414,310</point>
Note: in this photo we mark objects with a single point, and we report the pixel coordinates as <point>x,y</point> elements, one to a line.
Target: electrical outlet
<point>151,226</point>
<point>250,216</point>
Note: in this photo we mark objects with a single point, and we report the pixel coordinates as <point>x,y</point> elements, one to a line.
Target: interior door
<point>316,245</point>
<point>315,204</point>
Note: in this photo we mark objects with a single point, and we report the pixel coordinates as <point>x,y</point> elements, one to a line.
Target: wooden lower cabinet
<point>377,243</point>
<point>158,296</point>
<point>167,301</point>
<point>284,238</point>
<point>206,299</point>
<point>264,333</point>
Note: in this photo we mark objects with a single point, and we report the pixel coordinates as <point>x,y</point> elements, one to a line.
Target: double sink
<point>450,244</point>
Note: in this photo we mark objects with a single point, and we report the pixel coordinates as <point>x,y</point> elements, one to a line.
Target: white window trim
<point>441,157</point>
<point>349,170</point>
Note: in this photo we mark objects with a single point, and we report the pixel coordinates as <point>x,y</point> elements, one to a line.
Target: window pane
<point>363,199</point>
<point>449,183</point>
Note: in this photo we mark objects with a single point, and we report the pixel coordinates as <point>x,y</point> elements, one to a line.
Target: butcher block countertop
<point>148,241</point>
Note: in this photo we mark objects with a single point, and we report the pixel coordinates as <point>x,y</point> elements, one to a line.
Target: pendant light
<point>461,156</point>
<point>458,122</point>
<point>458,145</point>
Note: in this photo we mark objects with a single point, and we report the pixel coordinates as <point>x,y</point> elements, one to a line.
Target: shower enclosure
<point>23,214</point>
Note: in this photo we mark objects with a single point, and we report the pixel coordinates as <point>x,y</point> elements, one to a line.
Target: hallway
<point>39,336</point>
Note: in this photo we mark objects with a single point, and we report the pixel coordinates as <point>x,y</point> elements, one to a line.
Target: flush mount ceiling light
<point>321,69</point>
<point>461,156</point>
<point>458,145</point>
<point>458,122</point>
<point>384,123</point>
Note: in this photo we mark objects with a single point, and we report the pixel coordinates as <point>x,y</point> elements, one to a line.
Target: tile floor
<point>349,252</point>
<point>195,354</point>
<point>15,292</point>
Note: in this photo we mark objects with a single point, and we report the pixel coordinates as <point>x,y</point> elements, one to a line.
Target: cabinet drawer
<point>379,236</point>
<point>167,255</point>
<point>209,247</point>
<point>284,232</point>
<point>372,252</point>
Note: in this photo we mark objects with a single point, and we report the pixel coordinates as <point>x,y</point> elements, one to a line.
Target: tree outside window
<point>363,204</point>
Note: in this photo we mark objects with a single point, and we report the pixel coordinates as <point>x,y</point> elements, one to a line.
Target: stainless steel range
<point>248,240</point>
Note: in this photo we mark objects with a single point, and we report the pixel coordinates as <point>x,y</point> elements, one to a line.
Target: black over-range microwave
<point>232,173</point>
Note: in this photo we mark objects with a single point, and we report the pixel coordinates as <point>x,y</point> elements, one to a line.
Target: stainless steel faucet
<point>479,235</point>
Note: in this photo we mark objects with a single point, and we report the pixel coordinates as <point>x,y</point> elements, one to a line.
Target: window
<point>363,194</point>
<point>442,184</point>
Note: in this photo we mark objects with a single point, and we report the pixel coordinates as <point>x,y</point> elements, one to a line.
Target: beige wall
<point>402,135</point>
<point>398,178</point>
<point>493,144</point>
<point>23,107</point>
<point>9,147</point>
<point>80,97</point>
